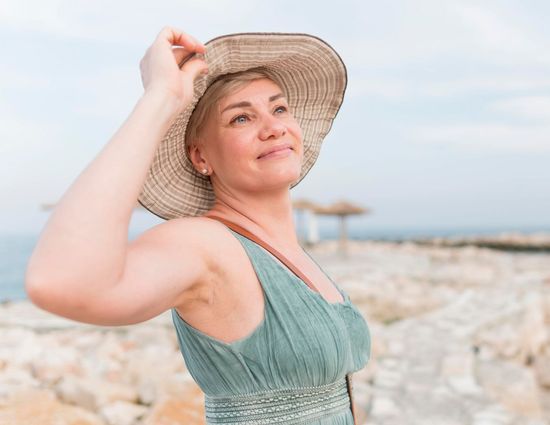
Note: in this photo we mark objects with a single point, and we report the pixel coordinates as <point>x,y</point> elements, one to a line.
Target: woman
<point>214,147</point>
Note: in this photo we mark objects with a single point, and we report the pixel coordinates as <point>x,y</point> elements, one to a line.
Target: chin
<point>286,179</point>
<point>279,178</point>
<point>279,172</point>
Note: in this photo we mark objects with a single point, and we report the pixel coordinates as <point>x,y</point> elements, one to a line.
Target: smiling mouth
<point>287,148</point>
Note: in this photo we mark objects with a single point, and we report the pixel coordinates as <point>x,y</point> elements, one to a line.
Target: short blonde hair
<point>221,87</point>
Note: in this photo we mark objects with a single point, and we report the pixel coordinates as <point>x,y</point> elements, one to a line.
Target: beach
<point>460,336</point>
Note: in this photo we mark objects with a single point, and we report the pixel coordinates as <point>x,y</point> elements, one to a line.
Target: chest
<point>233,306</point>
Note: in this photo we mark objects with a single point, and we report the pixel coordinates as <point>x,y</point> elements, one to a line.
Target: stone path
<point>428,377</point>
<point>429,373</point>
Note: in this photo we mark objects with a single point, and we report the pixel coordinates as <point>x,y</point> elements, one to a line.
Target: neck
<point>268,216</point>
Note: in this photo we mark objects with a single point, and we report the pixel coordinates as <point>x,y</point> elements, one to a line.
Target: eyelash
<point>244,115</point>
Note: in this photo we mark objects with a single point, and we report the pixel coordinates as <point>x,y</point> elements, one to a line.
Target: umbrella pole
<point>343,234</point>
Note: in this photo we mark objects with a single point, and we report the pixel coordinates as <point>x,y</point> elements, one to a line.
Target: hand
<point>159,66</point>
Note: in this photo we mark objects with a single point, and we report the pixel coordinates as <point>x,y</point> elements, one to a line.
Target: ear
<point>196,155</point>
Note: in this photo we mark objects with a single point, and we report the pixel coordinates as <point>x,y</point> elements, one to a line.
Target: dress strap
<point>242,231</point>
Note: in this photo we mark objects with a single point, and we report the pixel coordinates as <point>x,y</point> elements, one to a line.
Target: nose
<point>272,127</point>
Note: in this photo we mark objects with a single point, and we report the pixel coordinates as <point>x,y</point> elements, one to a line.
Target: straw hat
<point>310,72</point>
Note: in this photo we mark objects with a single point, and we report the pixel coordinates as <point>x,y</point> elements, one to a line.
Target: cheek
<point>236,153</point>
<point>299,132</point>
<point>296,130</point>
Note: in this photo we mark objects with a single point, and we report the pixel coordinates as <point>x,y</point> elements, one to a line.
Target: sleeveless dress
<point>302,341</point>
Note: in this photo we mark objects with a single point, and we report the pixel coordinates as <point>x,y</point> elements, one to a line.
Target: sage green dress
<point>303,340</point>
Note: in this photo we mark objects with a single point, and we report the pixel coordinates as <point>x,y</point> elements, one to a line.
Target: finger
<point>182,55</point>
<point>189,57</point>
<point>195,66</point>
<point>178,37</point>
<point>179,54</point>
<point>197,42</point>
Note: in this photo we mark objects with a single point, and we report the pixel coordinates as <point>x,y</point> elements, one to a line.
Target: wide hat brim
<point>309,70</point>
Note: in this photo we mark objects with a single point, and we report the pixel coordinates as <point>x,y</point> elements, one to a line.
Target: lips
<point>275,149</point>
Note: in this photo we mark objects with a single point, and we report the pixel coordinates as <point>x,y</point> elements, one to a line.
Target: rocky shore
<point>507,241</point>
<point>461,336</point>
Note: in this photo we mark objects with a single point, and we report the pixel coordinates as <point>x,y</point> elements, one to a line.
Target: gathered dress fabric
<point>302,341</point>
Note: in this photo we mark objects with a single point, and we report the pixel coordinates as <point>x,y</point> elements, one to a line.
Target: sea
<point>16,249</point>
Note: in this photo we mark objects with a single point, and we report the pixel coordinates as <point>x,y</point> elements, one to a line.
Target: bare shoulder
<point>192,235</point>
<point>183,233</point>
<point>166,265</point>
<point>211,239</point>
<point>195,252</point>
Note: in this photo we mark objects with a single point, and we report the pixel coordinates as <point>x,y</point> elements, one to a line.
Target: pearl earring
<point>205,171</point>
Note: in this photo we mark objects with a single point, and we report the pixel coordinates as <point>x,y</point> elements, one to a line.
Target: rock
<point>465,386</point>
<point>512,385</point>
<point>534,330</point>
<point>13,378</point>
<point>56,362</point>
<point>44,409</point>
<point>153,388</point>
<point>384,407</point>
<point>458,363</point>
<point>93,393</point>
<point>169,377</point>
<point>541,367</point>
<point>457,368</point>
<point>187,408</point>
<point>122,412</point>
<point>493,415</point>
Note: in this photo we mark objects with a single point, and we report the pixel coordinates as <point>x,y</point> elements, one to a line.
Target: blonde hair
<point>221,87</point>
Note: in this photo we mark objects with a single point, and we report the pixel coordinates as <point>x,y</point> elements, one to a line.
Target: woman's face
<point>242,131</point>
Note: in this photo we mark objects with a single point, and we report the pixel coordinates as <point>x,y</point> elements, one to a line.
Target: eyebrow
<point>245,103</point>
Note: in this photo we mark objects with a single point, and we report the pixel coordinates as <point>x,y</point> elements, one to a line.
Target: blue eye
<point>237,118</point>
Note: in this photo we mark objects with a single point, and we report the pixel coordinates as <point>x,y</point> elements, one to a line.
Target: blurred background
<point>445,126</point>
<point>444,133</point>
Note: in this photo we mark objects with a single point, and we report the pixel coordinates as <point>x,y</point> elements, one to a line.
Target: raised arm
<point>83,250</point>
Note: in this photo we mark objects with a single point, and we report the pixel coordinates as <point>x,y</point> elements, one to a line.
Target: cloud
<point>123,21</point>
<point>32,16</point>
<point>450,49</point>
<point>429,31</point>
<point>106,92</point>
<point>393,88</point>
<point>530,107</point>
<point>26,147</point>
<point>11,78</point>
<point>485,138</point>
<point>20,135</point>
<point>496,32</point>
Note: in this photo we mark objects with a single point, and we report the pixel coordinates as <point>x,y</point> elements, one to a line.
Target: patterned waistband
<point>286,406</point>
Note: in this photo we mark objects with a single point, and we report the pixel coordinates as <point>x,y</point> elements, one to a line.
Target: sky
<point>445,121</point>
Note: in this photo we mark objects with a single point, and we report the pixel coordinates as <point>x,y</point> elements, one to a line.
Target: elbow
<point>36,282</point>
<point>53,298</point>
<point>44,292</point>
<point>36,291</point>
<point>61,299</point>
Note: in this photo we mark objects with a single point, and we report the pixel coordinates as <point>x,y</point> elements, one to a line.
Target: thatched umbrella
<point>307,208</point>
<point>304,204</point>
<point>342,209</point>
